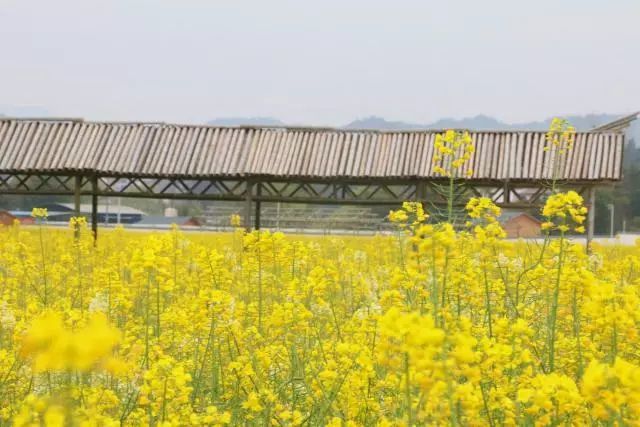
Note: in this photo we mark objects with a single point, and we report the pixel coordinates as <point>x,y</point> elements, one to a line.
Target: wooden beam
<point>248,198</point>
<point>421,191</point>
<point>77,188</point>
<point>506,192</point>
<point>256,219</point>
<point>94,207</point>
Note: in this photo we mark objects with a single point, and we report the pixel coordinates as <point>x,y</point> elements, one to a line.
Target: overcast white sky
<point>325,62</point>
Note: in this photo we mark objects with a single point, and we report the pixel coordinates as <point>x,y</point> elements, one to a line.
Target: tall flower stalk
<point>564,212</point>
<point>40,214</point>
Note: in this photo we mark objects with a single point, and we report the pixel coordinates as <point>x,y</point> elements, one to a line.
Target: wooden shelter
<point>286,164</point>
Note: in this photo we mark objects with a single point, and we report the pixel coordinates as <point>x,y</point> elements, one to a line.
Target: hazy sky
<point>324,62</point>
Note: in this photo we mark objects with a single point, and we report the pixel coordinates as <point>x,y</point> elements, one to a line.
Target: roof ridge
<point>309,128</point>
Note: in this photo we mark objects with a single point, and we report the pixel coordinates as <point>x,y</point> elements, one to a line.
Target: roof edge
<point>617,125</point>
<point>612,127</point>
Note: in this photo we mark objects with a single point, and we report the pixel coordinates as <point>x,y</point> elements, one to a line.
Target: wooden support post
<point>591,216</point>
<point>506,193</point>
<point>77,186</point>
<point>256,220</point>
<point>248,197</point>
<point>421,193</point>
<point>76,195</point>
<point>94,207</point>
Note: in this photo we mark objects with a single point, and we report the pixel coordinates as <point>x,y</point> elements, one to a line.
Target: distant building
<point>6,218</point>
<point>106,213</point>
<point>24,217</point>
<point>167,221</point>
<point>520,224</point>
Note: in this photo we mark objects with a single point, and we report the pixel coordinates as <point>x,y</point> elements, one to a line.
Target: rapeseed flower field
<point>434,325</point>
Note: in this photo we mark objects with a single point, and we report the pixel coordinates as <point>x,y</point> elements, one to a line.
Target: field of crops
<point>428,327</point>
<point>435,325</point>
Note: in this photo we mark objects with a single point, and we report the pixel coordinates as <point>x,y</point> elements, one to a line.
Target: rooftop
<point>191,151</point>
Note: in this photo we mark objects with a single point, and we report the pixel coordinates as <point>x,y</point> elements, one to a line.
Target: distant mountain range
<point>479,122</point>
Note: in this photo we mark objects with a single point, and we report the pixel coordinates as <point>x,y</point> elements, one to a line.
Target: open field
<point>430,324</point>
<point>342,214</point>
<point>622,239</point>
<point>425,327</point>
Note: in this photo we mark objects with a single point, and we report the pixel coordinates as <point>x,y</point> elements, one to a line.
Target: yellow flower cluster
<point>453,150</point>
<point>560,136</point>
<point>40,213</point>
<point>413,210</point>
<point>166,391</point>
<point>54,347</point>
<point>610,389</point>
<point>566,403</point>
<point>483,208</point>
<point>77,222</point>
<point>432,326</point>
<point>235,220</point>
<point>564,212</point>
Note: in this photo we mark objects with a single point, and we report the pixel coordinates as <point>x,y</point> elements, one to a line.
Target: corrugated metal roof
<point>167,150</point>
